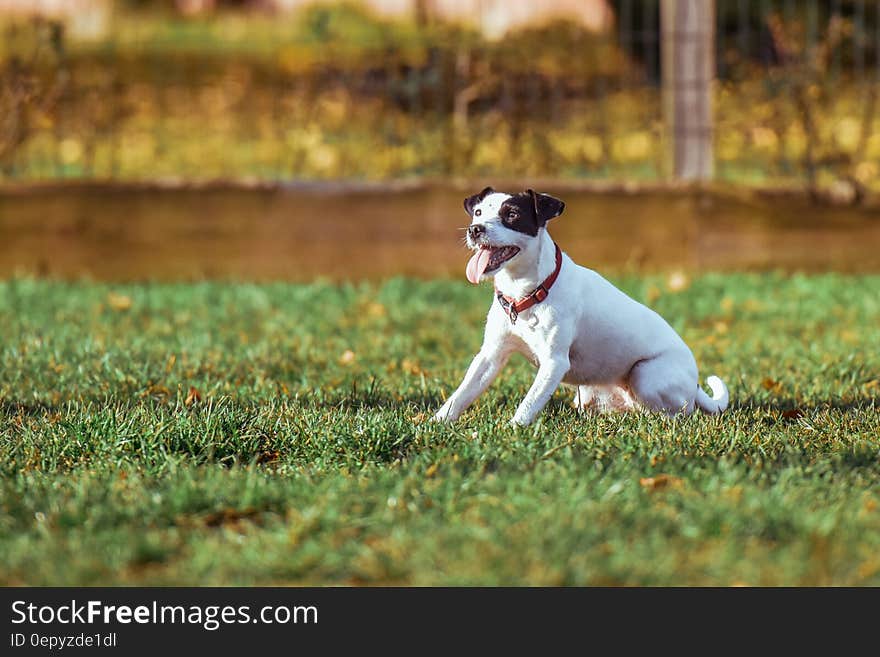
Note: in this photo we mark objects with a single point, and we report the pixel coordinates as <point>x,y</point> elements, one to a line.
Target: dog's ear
<point>471,201</point>
<point>546,206</point>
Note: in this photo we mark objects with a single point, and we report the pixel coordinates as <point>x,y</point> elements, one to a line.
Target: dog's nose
<point>476,230</point>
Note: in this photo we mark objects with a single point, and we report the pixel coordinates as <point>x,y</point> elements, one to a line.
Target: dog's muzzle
<point>477,232</point>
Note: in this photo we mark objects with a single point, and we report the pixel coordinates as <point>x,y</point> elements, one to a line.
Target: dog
<point>571,323</point>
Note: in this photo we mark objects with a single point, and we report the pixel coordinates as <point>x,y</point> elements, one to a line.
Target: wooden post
<point>688,67</point>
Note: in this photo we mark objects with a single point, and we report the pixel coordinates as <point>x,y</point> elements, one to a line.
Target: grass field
<point>216,433</point>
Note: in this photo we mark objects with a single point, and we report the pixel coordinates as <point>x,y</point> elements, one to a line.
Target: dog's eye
<point>478,212</point>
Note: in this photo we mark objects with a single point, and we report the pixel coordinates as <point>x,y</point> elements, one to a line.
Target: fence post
<point>688,68</point>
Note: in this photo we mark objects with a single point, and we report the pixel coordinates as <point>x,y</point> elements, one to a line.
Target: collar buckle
<point>508,307</point>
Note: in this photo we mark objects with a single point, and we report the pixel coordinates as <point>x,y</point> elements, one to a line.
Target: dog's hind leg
<point>665,383</point>
<point>603,398</point>
<point>584,397</point>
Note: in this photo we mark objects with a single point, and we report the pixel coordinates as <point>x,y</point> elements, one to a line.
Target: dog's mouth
<point>488,259</point>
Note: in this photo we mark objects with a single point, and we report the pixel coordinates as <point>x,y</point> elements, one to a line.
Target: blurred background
<point>265,139</point>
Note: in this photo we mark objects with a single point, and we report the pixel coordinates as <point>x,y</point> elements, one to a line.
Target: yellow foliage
<point>70,150</point>
<point>729,144</point>
<point>764,138</point>
<point>632,147</point>
<point>847,131</point>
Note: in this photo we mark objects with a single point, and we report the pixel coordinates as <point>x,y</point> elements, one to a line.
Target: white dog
<point>575,326</point>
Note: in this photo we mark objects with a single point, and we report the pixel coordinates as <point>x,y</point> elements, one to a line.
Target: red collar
<point>513,307</point>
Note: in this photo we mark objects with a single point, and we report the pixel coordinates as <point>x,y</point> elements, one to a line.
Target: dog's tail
<point>719,399</point>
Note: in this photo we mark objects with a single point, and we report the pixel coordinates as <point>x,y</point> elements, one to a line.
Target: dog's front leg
<point>550,375</point>
<point>482,371</point>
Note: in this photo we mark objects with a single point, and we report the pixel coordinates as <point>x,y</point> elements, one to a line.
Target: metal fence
<point>331,92</point>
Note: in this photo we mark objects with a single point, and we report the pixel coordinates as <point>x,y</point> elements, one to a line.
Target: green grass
<point>305,464</point>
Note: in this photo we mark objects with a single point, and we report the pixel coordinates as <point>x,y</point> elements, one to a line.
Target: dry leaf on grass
<point>268,456</point>
<point>192,396</point>
<point>660,481</point>
<point>771,384</point>
<point>230,516</point>
<point>118,302</point>
<point>375,309</point>
<point>157,390</point>
<point>410,366</point>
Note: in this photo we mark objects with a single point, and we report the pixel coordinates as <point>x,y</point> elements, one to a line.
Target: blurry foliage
<point>826,74</point>
<point>333,92</point>
<point>28,100</point>
<point>744,32</point>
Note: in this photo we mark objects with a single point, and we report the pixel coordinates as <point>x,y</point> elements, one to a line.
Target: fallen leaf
<point>229,517</point>
<point>771,384</point>
<point>375,309</point>
<point>850,337</point>
<point>869,568</point>
<point>792,414</point>
<point>661,481</point>
<point>192,396</point>
<point>410,366</point>
<point>118,302</point>
<point>156,390</point>
<point>270,456</point>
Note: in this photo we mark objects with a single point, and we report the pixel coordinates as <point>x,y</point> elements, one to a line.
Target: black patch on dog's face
<point>546,207</point>
<point>527,211</point>
<point>471,201</point>
<point>518,213</point>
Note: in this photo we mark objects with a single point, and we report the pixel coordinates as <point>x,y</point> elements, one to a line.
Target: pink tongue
<point>477,265</point>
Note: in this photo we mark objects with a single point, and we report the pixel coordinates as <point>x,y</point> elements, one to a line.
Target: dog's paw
<point>443,417</point>
<point>518,422</point>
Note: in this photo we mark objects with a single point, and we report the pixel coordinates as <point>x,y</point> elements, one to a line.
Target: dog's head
<point>505,226</point>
